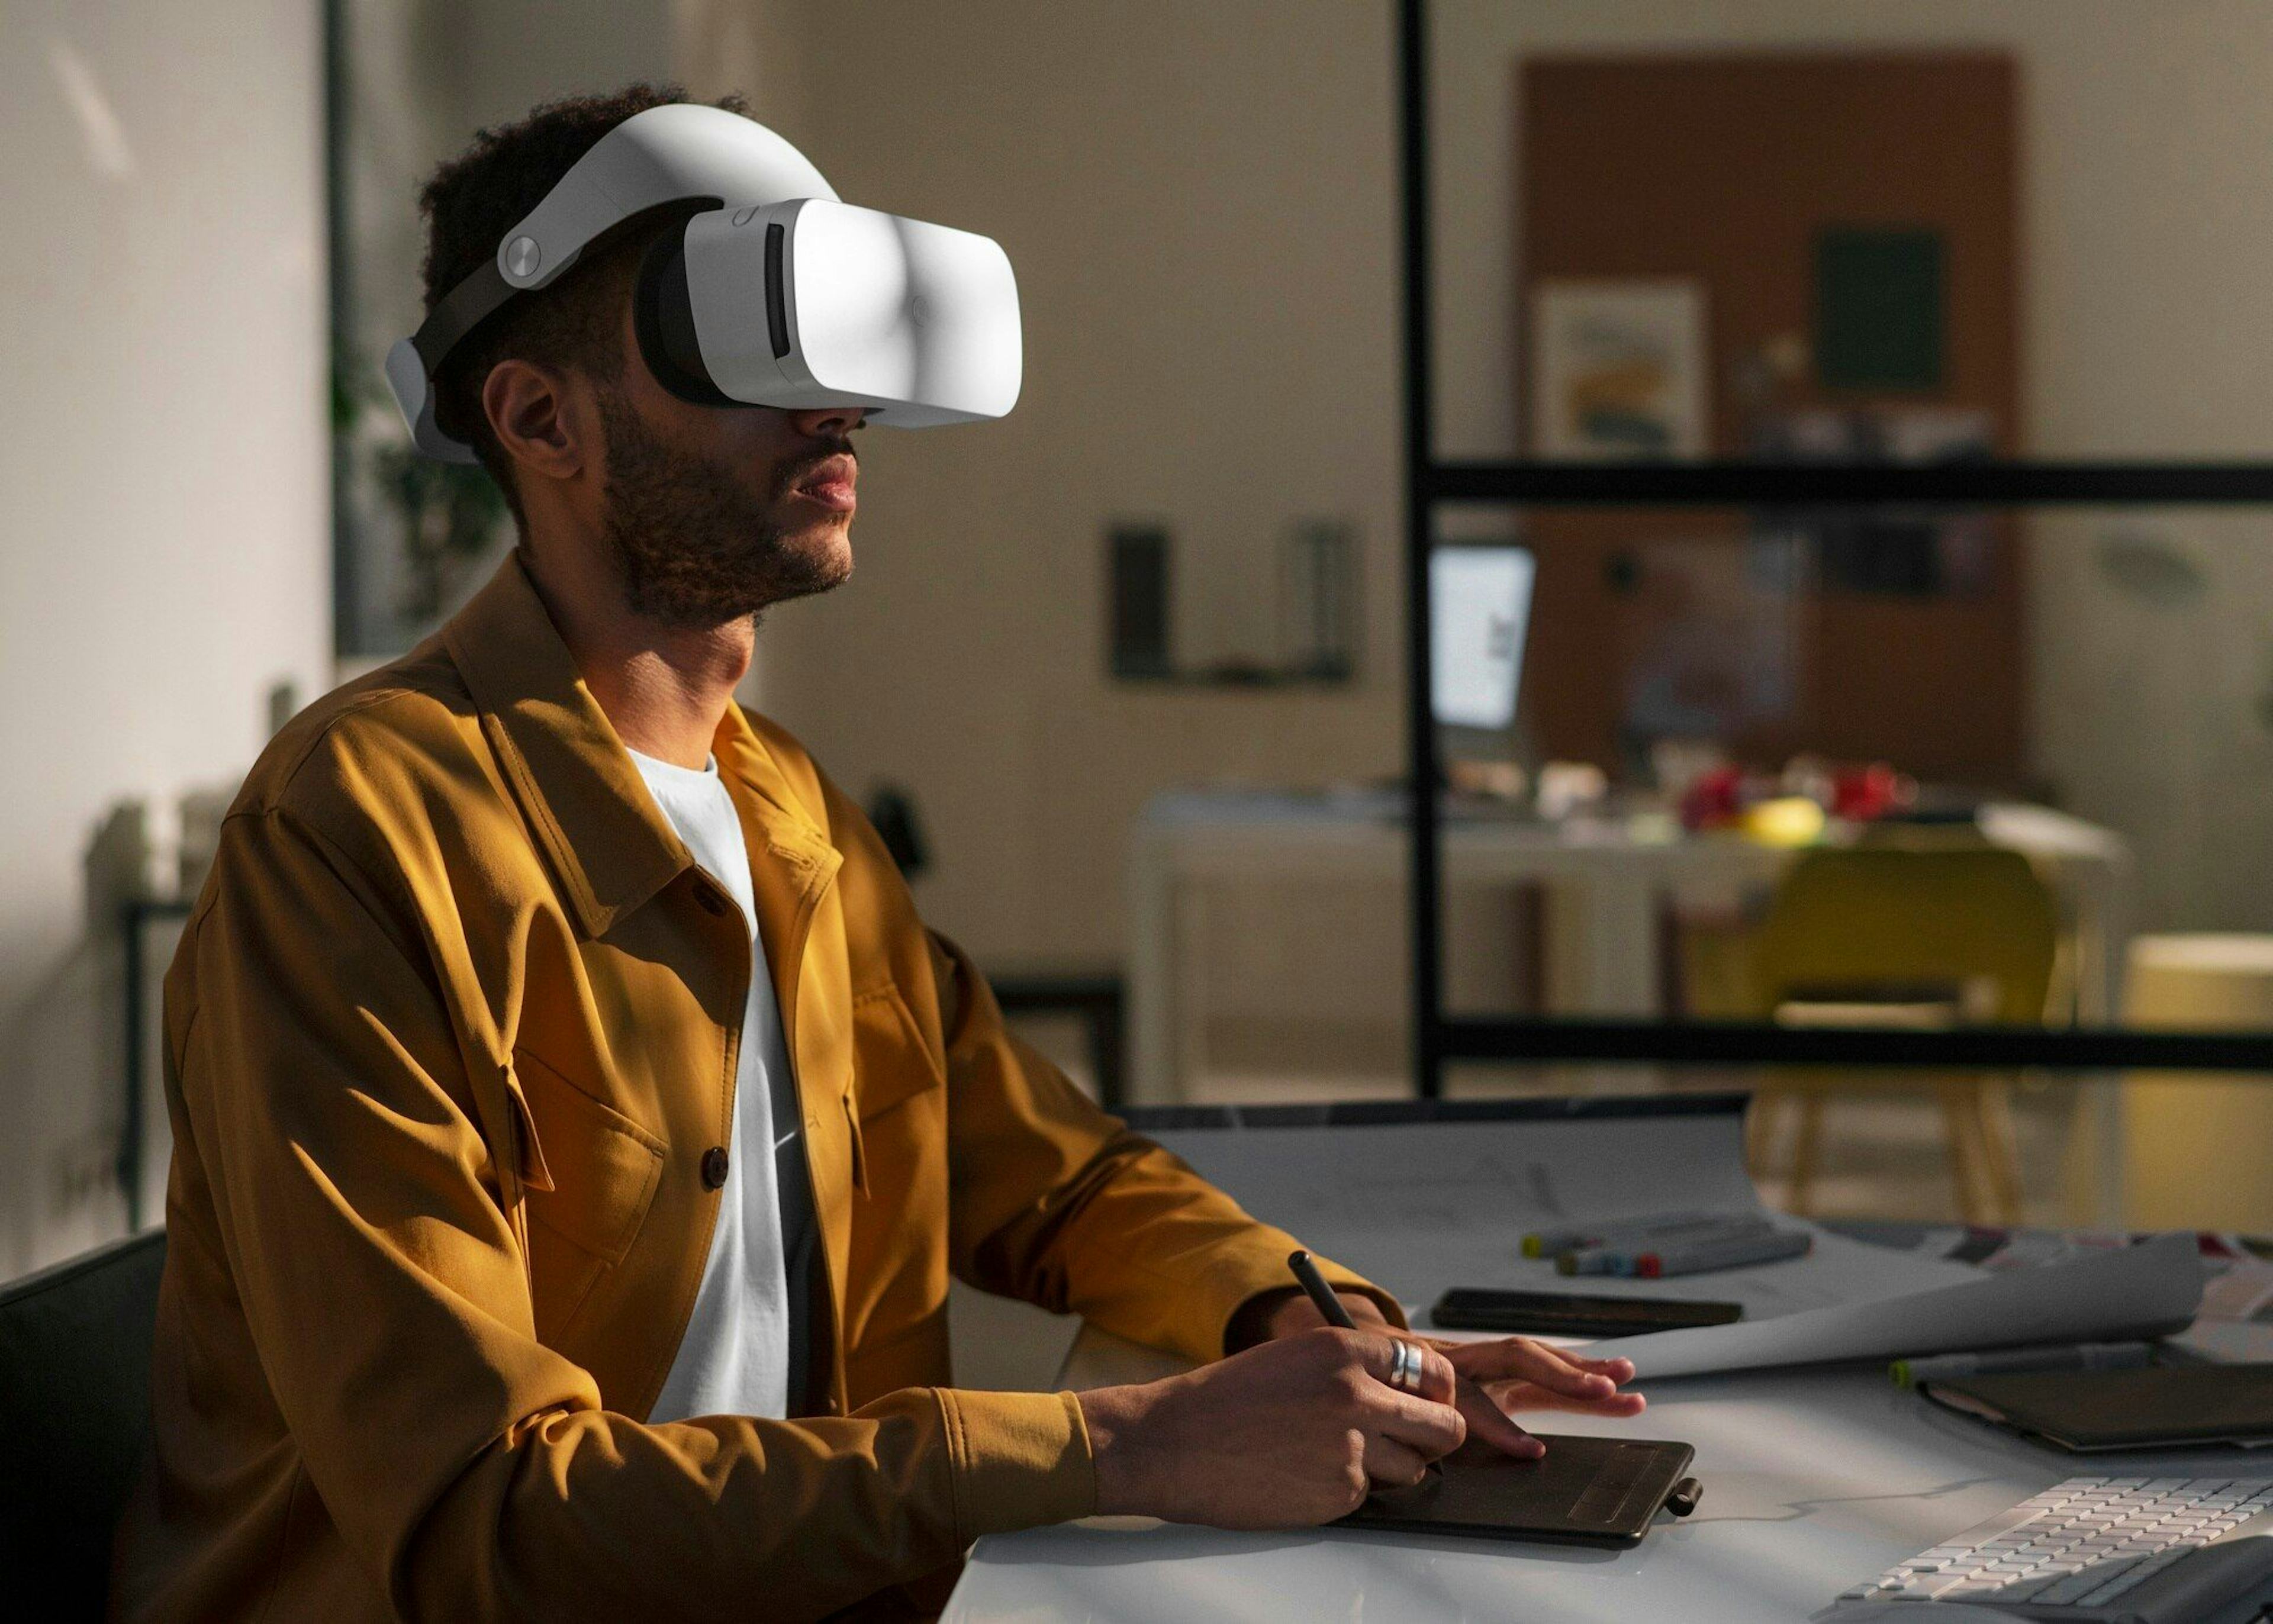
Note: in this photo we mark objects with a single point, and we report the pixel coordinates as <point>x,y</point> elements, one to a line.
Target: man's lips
<point>830,485</point>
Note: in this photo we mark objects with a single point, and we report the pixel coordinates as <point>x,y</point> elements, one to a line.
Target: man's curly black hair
<point>471,202</point>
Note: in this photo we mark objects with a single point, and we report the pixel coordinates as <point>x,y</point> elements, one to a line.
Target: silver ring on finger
<point>1405,1367</point>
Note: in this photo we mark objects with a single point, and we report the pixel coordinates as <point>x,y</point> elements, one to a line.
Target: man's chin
<point>822,556</point>
<point>801,565</point>
<point>688,591</point>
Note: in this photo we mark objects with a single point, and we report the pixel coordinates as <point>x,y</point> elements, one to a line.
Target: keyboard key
<point>1941,1586</point>
<point>2110,1589</point>
<point>2065,1591</point>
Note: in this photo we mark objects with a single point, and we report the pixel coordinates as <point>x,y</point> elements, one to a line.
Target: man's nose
<point>828,421</point>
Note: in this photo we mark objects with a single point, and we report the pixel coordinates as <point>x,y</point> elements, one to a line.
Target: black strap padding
<point>662,317</point>
<point>462,309</point>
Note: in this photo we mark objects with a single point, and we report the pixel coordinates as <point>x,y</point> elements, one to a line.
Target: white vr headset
<point>776,295</point>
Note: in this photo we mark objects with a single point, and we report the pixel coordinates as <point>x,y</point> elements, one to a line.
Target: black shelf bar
<point>1824,484</point>
<point>1735,1043</point>
<point>1425,848</point>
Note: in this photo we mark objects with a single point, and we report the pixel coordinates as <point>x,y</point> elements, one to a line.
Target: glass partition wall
<point>1879,711</point>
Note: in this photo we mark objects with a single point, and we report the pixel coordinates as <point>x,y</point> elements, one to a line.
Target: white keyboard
<point>2160,1550</point>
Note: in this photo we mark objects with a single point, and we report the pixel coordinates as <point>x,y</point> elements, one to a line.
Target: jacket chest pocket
<point>893,1068</point>
<point>896,1109</point>
<point>589,1174</point>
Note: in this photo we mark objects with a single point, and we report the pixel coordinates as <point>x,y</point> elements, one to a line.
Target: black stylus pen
<point>1314,1286</point>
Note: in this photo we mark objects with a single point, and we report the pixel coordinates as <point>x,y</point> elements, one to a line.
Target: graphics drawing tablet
<point>1584,1491</point>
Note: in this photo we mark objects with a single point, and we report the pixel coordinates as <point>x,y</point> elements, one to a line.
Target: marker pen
<point>1663,1262</point>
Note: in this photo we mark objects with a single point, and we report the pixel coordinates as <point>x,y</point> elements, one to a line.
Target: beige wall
<point>1199,201</point>
<point>164,540</point>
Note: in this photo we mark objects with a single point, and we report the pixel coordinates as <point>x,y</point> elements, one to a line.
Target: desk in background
<point>1604,888</point>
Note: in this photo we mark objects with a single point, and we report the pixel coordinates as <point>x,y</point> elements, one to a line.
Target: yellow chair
<point>1932,933</point>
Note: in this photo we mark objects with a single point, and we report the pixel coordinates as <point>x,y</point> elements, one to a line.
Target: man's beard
<point>695,547</point>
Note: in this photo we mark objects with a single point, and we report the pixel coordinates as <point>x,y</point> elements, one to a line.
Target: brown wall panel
<point>1722,171</point>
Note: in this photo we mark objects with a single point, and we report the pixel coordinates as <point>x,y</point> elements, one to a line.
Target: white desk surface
<point>1813,1479</point>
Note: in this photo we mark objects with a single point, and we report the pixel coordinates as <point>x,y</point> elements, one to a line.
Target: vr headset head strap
<point>681,152</point>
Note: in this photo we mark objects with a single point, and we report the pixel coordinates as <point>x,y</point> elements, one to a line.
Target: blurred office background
<point>1125,671</point>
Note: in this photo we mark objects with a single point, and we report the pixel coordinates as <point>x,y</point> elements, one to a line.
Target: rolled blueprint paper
<point>2149,1290</point>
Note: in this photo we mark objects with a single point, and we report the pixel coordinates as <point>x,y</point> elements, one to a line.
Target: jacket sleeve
<point>470,1467</point>
<point>1057,1202</point>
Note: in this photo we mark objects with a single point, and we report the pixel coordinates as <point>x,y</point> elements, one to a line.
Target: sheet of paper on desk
<point>1420,1208</point>
<point>2140,1291</point>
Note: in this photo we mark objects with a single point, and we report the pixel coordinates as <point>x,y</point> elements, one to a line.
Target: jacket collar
<point>790,828</point>
<point>577,784</point>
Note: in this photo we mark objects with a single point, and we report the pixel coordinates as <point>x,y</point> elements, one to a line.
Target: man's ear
<point>538,419</point>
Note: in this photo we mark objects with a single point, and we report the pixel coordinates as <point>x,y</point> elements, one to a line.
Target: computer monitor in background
<point>1479,614</point>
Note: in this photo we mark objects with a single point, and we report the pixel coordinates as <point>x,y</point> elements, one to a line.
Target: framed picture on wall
<point>1618,371</point>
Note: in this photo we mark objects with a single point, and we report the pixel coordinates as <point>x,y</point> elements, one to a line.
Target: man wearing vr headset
<point>575,1126</point>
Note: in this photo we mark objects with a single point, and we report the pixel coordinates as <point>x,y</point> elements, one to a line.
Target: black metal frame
<point>1429,483</point>
<point>1407,1113</point>
<point>1097,999</point>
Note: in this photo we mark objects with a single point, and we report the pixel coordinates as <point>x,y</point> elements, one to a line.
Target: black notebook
<point>1585,1491</point>
<point>2092,1410</point>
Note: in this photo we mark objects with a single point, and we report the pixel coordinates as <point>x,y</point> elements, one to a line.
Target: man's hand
<point>1493,1377</point>
<point>1288,1433</point>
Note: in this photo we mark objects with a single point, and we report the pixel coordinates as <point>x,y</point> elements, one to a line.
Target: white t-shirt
<point>736,1357</point>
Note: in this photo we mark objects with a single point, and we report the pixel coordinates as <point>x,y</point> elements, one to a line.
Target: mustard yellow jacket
<point>451,1032</point>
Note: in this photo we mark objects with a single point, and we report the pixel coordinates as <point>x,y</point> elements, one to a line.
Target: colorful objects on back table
<point>1793,810</point>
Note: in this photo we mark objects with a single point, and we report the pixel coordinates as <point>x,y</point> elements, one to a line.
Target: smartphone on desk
<point>1559,1313</point>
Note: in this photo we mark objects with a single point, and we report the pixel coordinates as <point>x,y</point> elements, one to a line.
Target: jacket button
<point>712,902</point>
<point>714,1167</point>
